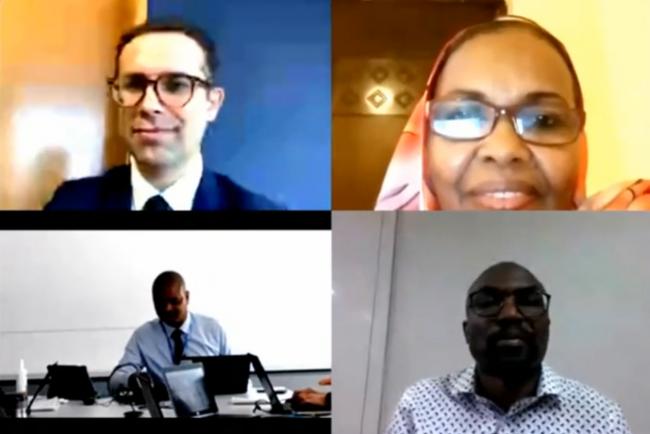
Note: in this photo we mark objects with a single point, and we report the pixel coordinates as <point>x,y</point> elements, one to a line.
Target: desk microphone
<point>125,393</point>
<point>133,414</point>
<point>140,378</point>
<point>122,394</point>
<point>28,410</point>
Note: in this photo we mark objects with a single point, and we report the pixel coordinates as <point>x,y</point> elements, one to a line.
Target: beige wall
<point>609,42</point>
<point>56,121</point>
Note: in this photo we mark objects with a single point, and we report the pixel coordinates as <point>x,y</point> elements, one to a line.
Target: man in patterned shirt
<point>509,390</point>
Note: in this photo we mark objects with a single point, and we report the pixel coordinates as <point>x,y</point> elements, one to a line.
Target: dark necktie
<point>156,203</point>
<point>177,338</point>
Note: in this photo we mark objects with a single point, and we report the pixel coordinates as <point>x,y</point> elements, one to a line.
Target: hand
<point>133,382</point>
<point>127,393</point>
<point>327,381</point>
<point>309,396</point>
<point>621,196</point>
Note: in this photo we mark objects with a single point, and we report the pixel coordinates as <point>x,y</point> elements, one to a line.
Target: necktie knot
<point>156,203</point>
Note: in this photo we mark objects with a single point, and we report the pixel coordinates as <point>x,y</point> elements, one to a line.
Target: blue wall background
<point>273,132</point>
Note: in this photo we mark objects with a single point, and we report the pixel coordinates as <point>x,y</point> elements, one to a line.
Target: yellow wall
<point>609,42</point>
<point>56,120</point>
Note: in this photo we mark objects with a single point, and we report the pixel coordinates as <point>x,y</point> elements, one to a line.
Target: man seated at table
<point>161,343</point>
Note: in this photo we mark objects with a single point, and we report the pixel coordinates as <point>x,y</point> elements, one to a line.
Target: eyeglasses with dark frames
<point>488,302</point>
<point>172,89</point>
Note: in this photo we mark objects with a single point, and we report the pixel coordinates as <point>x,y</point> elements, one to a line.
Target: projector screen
<point>76,296</point>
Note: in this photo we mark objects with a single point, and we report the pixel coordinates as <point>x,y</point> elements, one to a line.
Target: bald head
<point>505,275</point>
<point>165,280</point>
<point>507,325</point>
<point>170,298</point>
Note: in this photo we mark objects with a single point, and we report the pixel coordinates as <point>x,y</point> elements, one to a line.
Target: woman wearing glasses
<point>508,136</point>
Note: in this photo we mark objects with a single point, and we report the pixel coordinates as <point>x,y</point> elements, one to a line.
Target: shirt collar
<point>179,195</point>
<point>464,383</point>
<point>185,328</point>
<point>550,383</point>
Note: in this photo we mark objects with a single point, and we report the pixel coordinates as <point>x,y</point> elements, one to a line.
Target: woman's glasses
<point>538,123</point>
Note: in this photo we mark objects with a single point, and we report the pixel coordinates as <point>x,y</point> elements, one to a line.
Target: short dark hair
<point>172,26</point>
<point>165,280</point>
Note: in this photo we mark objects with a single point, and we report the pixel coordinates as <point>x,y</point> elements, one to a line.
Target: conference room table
<point>72,417</point>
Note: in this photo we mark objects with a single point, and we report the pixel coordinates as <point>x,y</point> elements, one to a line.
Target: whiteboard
<point>76,296</point>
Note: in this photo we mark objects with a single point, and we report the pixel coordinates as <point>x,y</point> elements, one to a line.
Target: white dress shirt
<point>179,195</point>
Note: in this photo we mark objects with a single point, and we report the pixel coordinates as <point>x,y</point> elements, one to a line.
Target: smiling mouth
<point>511,349</point>
<point>510,342</point>
<point>504,195</point>
<point>153,130</point>
<point>504,200</point>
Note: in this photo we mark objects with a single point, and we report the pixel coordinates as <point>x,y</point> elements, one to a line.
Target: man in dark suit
<point>164,85</point>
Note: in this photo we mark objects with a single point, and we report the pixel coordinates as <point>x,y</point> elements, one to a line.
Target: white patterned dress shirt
<point>450,405</point>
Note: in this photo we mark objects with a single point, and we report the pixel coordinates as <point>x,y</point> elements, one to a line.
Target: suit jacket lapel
<point>116,192</point>
<point>209,196</point>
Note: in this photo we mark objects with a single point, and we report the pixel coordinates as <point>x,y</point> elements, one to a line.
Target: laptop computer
<point>277,407</point>
<point>225,375</point>
<point>187,391</point>
<point>71,382</point>
<point>8,404</point>
<point>146,386</point>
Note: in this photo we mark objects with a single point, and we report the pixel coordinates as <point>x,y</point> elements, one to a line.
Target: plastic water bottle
<point>251,391</point>
<point>21,390</point>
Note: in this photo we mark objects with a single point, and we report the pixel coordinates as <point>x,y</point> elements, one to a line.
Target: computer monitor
<point>225,375</point>
<point>187,391</point>
<point>71,382</point>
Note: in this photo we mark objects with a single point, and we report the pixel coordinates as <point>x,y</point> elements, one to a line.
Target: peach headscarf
<point>404,187</point>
